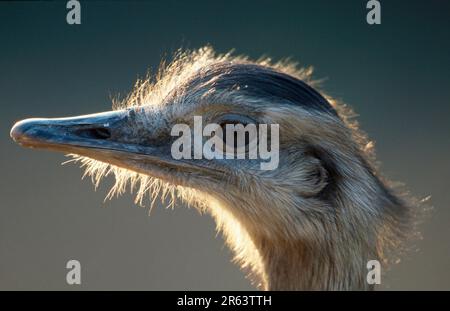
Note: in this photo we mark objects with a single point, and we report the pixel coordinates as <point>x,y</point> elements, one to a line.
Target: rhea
<point>313,223</point>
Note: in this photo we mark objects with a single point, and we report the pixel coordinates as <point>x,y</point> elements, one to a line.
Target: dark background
<point>395,75</point>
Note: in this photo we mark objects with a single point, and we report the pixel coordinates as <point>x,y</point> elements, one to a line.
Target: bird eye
<point>239,134</point>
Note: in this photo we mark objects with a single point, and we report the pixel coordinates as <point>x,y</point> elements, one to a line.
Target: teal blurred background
<point>395,75</point>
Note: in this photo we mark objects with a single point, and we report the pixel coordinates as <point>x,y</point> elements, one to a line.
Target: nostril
<point>95,133</point>
<point>101,133</point>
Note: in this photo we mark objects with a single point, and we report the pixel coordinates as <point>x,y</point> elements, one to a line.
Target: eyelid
<point>235,118</point>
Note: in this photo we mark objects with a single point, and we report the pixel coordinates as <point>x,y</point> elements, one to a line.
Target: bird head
<point>322,199</point>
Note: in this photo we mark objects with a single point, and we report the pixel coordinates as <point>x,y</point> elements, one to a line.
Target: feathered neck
<point>329,251</point>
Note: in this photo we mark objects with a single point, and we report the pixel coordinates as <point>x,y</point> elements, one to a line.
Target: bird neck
<point>297,266</point>
<point>331,258</point>
<point>325,244</point>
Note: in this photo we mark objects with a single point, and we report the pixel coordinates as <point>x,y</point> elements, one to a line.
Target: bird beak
<point>89,131</point>
<point>107,136</point>
<point>111,137</point>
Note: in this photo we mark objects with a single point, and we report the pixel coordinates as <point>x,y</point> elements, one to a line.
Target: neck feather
<point>330,253</point>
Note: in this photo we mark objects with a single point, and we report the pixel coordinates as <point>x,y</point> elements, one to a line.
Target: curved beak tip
<point>19,129</point>
<point>22,132</point>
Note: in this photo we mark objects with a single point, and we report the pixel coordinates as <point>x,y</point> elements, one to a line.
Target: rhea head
<point>312,223</point>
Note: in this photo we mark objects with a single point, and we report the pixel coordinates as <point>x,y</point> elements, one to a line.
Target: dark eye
<point>241,130</point>
<point>228,126</point>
